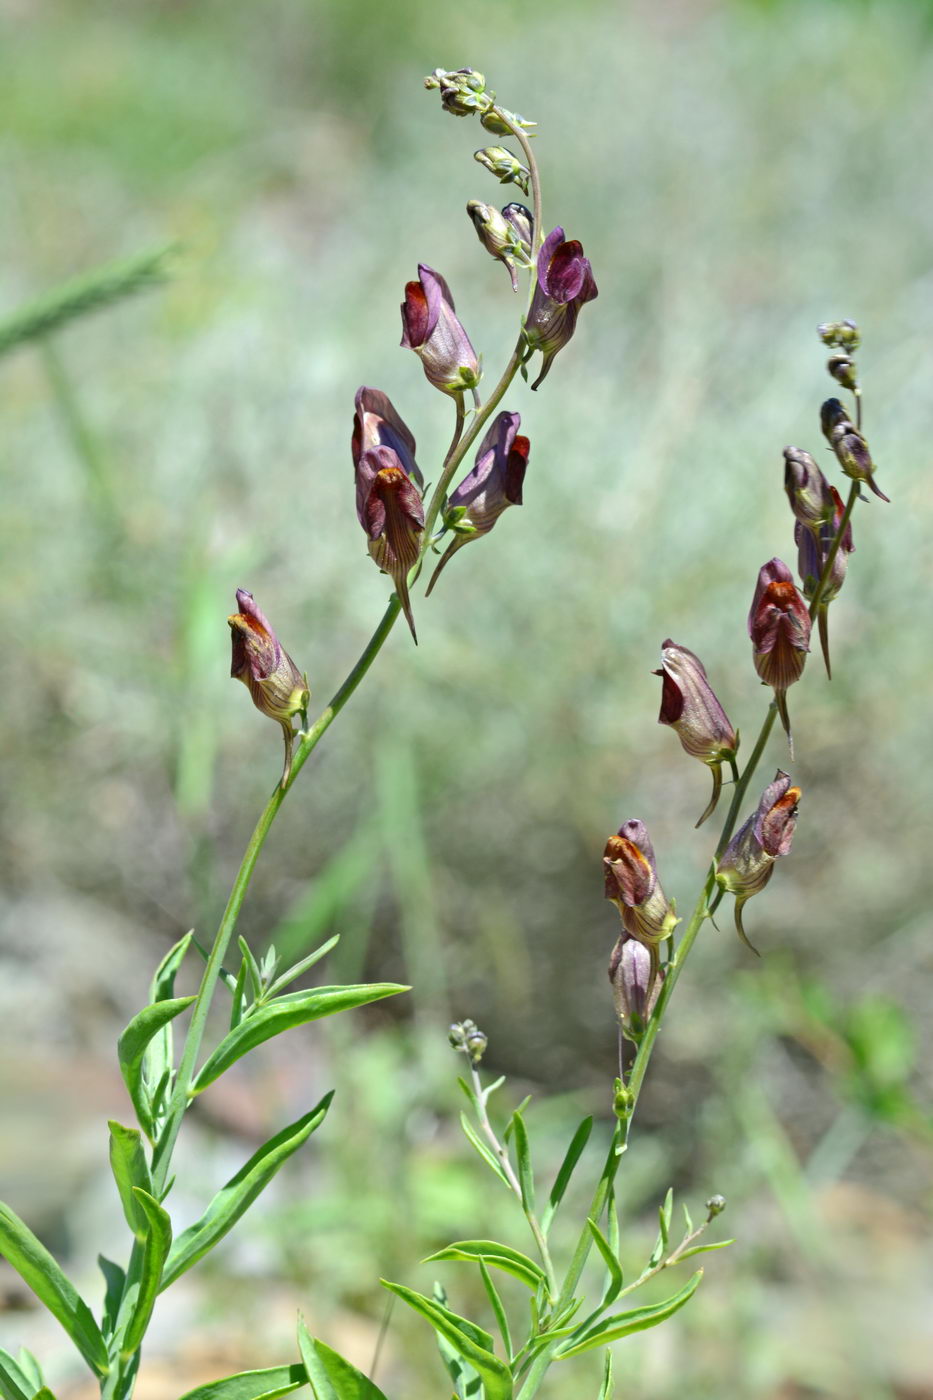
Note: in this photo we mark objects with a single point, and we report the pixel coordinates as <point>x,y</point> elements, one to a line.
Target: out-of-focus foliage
<point>737,173</point>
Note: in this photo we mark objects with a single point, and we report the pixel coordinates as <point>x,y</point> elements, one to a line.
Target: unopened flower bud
<point>522,225</point>
<point>747,863</point>
<point>497,235</point>
<point>506,167</point>
<point>499,125</point>
<point>807,488</point>
<point>468,1039</point>
<point>690,707</point>
<point>463,91</point>
<point>715,1206</point>
<point>842,368</point>
<point>813,550</point>
<point>430,327</point>
<point>494,484</point>
<point>635,984</point>
<point>631,882</point>
<point>779,626</point>
<point>565,283</point>
<point>623,1100</point>
<point>842,334</point>
<point>270,675</point>
<point>850,447</point>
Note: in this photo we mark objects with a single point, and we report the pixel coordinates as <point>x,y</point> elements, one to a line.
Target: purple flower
<point>377,424</point>
<point>747,863</point>
<point>494,484</point>
<point>388,501</point>
<point>430,328</point>
<point>779,626</point>
<point>807,489</point>
<point>689,706</point>
<point>813,548</point>
<point>636,984</point>
<point>850,447</point>
<point>631,880</point>
<point>565,283</point>
<point>270,675</point>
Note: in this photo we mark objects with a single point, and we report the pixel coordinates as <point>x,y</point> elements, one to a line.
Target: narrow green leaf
<point>472,1343</point>
<point>30,1368</point>
<point>501,1256</point>
<point>252,1385</point>
<point>488,1156</point>
<point>234,1199</point>
<point>226,976</point>
<point>704,1249</point>
<point>467,1383</point>
<point>331,1377</point>
<point>130,1168</point>
<point>283,1014</point>
<point>36,1267</point>
<point>132,1045</point>
<point>14,1385</point>
<point>615,1281</point>
<point>155,1252</point>
<point>159,1058</point>
<point>114,1283</point>
<point>238,1006</point>
<point>526,1179</point>
<point>688,1221</point>
<point>521,1108</point>
<point>470,1093</point>
<point>301,967</point>
<point>571,1157</point>
<point>611,1329</point>
<point>665,1213</point>
<point>495,1302</point>
<point>612,1221</point>
<point>252,969</point>
<point>606,1389</point>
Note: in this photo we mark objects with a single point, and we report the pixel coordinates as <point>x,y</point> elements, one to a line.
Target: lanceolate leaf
<point>130,1168</point>
<point>562,1181</point>
<point>611,1329</point>
<point>35,1265</point>
<point>234,1199</point>
<point>252,1385</point>
<point>293,1009</point>
<point>470,1341</point>
<point>159,1056</point>
<point>331,1377</point>
<point>132,1045</point>
<point>155,1252</point>
<point>605,1390</point>
<point>14,1385</point>
<point>523,1152</point>
<point>615,1280</point>
<point>488,1156</point>
<point>500,1256</point>
<point>30,1368</point>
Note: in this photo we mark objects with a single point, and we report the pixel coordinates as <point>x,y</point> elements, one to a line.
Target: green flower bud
<point>507,168</point>
<point>493,121</point>
<point>498,236</point>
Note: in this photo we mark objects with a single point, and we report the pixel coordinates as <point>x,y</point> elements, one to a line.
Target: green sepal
<point>234,1199</point>
<point>500,1256</point>
<point>132,1046</point>
<point>36,1267</point>
<point>252,1385</point>
<point>130,1168</point>
<point>611,1329</point>
<point>468,1340</point>
<point>330,1376</point>
<point>155,1252</point>
<point>293,1009</point>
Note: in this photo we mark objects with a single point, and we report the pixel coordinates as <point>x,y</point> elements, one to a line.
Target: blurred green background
<point>737,173</point>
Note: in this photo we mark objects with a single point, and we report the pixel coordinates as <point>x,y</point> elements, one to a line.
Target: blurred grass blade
<point>501,1256</point>
<point>14,1384</point>
<point>132,1046</point>
<point>130,1168</point>
<point>36,1267</point>
<point>234,1199</point>
<point>526,1178</point>
<point>468,1340</point>
<point>616,1279</point>
<point>293,1009</point>
<point>252,1385</point>
<point>611,1329</point>
<point>155,1252</point>
<point>91,292</point>
<point>572,1156</point>
<point>331,1377</point>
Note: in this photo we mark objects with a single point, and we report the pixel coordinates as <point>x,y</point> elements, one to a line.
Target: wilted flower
<point>390,510</point>
<point>565,283</point>
<point>689,706</point>
<point>748,861</point>
<point>632,884</point>
<point>498,236</point>
<point>506,167</point>
<point>431,329</point>
<point>779,626</point>
<point>270,675</point>
<point>850,447</point>
<point>635,984</point>
<point>494,484</point>
<point>813,550</point>
<point>807,488</point>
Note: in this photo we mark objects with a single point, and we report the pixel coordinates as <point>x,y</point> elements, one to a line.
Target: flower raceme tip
<point>259,660</point>
<point>690,707</point>
<point>565,282</point>
<point>747,863</point>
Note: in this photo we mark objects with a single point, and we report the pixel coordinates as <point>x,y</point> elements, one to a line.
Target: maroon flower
<point>813,550</point>
<point>689,706</point>
<point>565,283</point>
<point>779,626</point>
<point>635,984</point>
<point>631,879</point>
<point>807,489</point>
<point>494,484</point>
<point>377,424</point>
<point>390,510</point>
<point>270,675</point>
<point>850,447</point>
<point>747,863</point>
<point>430,328</point>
